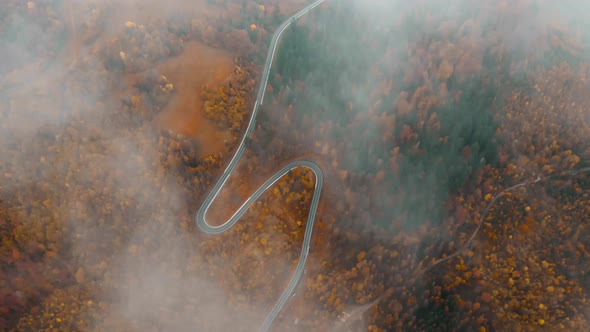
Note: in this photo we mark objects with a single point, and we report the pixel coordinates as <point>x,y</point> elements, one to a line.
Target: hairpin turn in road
<point>201,219</point>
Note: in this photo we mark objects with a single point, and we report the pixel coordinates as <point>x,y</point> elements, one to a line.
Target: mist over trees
<point>117,117</point>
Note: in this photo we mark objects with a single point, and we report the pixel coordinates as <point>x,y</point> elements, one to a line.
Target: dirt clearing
<point>197,66</point>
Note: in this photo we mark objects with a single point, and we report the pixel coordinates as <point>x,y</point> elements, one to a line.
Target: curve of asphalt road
<point>201,219</point>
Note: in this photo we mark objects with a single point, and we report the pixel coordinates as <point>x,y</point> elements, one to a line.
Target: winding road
<point>201,218</point>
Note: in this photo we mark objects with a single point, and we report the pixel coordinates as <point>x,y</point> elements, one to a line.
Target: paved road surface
<point>201,218</point>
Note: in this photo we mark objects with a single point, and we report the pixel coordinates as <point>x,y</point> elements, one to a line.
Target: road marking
<point>201,219</point>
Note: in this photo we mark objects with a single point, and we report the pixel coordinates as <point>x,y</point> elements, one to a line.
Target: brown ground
<point>198,65</point>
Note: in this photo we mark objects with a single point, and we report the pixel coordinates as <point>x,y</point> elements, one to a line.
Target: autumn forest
<point>454,140</point>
